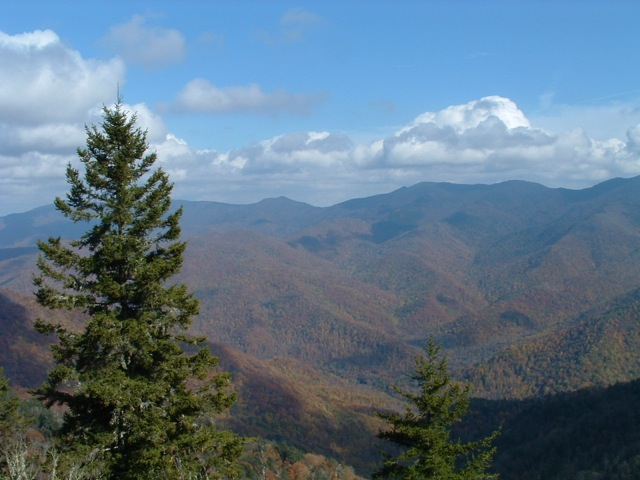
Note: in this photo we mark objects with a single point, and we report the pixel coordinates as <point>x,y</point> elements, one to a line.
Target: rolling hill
<point>530,290</point>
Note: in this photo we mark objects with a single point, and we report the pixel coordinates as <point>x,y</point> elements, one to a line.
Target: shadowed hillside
<point>24,353</point>
<point>591,433</point>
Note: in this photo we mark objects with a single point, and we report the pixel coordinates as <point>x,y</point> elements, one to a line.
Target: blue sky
<point>324,101</point>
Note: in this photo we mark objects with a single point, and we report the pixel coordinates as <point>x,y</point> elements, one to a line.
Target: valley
<point>316,311</point>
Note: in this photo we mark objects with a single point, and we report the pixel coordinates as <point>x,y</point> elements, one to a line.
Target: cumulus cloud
<point>303,153</point>
<point>47,94</point>
<point>309,166</point>
<point>42,80</point>
<point>200,95</point>
<point>484,141</point>
<point>294,153</point>
<point>461,135</point>
<point>490,140</point>
<point>144,45</point>
<point>55,138</point>
<point>464,117</point>
<point>147,120</point>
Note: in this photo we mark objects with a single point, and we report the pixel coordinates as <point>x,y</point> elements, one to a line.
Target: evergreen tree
<point>9,403</point>
<point>423,431</point>
<point>137,404</point>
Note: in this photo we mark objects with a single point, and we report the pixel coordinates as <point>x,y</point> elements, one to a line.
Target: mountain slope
<point>354,289</point>
<point>269,300</point>
<point>592,433</point>
<point>600,347</point>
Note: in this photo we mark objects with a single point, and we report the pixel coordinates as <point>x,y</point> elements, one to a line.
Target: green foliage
<point>423,431</point>
<point>9,404</point>
<point>136,404</point>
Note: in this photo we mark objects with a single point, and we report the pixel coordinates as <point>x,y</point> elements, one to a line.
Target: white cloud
<point>47,94</point>
<point>59,138</point>
<point>200,95</point>
<point>491,140</point>
<point>149,121</point>
<point>312,167</point>
<point>484,141</point>
<point>144,45</point>
<point>461,135</point>
<point>31,179</point>
<point>296,153</point>
<point>465,117</point>
<point>42,80</point>
<point>37,39</point>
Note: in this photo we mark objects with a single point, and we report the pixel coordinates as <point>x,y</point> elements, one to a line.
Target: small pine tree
<point>423,431</point>
<point>137,405</point>
<point>9,404</point>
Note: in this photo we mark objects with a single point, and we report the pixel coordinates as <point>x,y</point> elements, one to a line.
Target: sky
<point>323,101</point>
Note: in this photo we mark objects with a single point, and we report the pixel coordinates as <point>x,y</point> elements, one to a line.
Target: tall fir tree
<point>422,433</point>
<point>138,406</point>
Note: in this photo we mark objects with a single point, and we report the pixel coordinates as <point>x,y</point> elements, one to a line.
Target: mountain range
<point>530,291</point>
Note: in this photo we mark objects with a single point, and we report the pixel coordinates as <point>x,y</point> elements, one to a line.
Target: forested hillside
<point>590,434</point>
<point>530,290</point>
<point>480,266</point>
